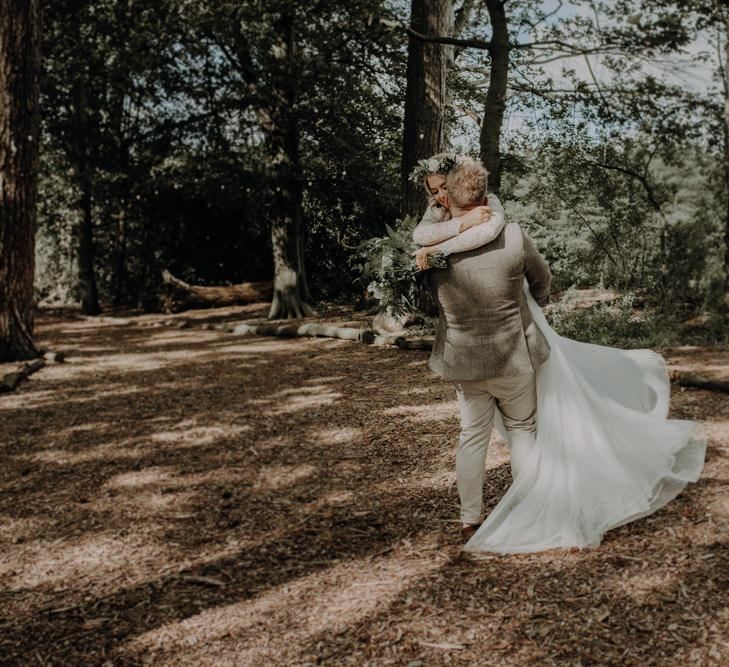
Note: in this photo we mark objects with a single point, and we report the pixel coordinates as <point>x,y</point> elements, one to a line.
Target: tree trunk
<point>425,98</point>
<point>86,274</point>
<point>725,70</point>
<point>290,289</point>
<point>120,289</point>
<point>20,33</point>
<point>493,117</point>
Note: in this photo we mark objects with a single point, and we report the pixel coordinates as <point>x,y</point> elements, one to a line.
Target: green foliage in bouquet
<point>388,268</point>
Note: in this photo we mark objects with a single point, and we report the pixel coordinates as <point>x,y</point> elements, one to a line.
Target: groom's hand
<point>475,216</point>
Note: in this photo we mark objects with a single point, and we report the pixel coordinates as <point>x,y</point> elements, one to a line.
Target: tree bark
<point>725,70</point>
<point>495,107</point>
<point>425,97</point>
<point>86,274</point>
<point>290,288</point>
<point>20,34</point>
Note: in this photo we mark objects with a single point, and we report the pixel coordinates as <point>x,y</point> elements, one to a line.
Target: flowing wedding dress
<point>605,451</point>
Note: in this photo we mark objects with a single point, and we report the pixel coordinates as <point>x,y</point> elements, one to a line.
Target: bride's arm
<point>431,230</point>
<point>478,235</point>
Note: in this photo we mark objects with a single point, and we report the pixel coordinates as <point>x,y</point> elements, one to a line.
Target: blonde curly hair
<point>467,183</point>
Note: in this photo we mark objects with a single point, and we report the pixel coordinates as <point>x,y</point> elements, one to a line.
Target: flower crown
<point>433,165</point>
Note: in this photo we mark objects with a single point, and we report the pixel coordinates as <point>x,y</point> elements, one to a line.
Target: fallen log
<point>309,329</point>
<point>414,343</point>
<point>10,381</point>
<point>177,295</point>
<point>698,382</point>
<point>389,339</point>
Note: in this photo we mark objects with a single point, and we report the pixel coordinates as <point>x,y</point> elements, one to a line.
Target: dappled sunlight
<point>343,497</point>
<point>170,337</point>
<point>278,477</point>
<point>445,410</point>
<point>417,391</point>
<point>641,585</point>
<point>187,434</point>
<point>146,503</point>
<point>254,345</point>
<point>141,478</point>
<point>270,628</point>
<point>319,379</point>
<point>297,399</point>
<point>120,362</point>
<point>126,363</point>
<point>332,436</point>
<point>184,435</point>
<point>169,479</point>
<point>278,501</point>
<point>26,398</point>
<point>109,451</point>
<point>16,530</point>
<point>87,559</point>
<point>707,364</point>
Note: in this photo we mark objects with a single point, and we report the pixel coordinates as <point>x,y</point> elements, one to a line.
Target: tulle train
<point>605,452</point>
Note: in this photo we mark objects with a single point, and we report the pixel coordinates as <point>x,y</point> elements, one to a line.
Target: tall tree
<point>20,34</point>
<point>425,99</point>
<point>281,124</point>
<point>724,70</point>
<point>495,105</point>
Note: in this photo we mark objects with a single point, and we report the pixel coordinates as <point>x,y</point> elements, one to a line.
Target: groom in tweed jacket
<point>487,343</point>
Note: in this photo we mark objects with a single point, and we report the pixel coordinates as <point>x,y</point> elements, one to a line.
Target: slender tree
<point>20,33</point>
<point>495,106</point>
<point>281,123</point>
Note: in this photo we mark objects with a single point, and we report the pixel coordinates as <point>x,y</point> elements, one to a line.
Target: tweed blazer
<point>485,329</point>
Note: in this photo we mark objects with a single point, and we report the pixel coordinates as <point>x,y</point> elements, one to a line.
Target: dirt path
<point>186,497</point>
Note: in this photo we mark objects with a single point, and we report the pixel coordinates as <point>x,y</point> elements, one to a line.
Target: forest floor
<point>184,496</point>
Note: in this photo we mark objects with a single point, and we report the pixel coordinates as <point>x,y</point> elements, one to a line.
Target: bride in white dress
<point>605,452</point>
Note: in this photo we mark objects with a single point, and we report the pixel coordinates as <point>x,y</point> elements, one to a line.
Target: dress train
<point>605,451</point>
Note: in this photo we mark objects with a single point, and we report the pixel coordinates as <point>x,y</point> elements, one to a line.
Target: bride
<point>605,451</point>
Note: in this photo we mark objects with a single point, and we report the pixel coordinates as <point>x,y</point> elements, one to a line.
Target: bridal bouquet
<point>388,268</point>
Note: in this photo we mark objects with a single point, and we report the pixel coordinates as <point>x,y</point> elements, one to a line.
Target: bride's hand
<point>475,216</point>
<point>421,256</point>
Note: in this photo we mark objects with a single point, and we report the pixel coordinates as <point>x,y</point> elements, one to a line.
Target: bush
<point>388,271</point>
<point>616,324</point>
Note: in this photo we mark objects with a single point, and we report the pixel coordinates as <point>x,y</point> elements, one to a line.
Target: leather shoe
<point>468,531</point>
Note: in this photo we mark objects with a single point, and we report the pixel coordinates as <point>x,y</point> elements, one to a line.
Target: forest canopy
<point>603,125</point>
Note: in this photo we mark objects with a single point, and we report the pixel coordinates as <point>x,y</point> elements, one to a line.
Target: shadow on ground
<point>190,497</point>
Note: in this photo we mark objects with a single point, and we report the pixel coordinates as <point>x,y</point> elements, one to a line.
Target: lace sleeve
<point>432,230</point>
<point>479,235</point>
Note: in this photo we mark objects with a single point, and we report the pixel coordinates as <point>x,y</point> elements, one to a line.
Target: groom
<point>487,343</point>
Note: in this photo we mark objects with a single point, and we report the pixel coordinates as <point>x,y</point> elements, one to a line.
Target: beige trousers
<point>517,400</point>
